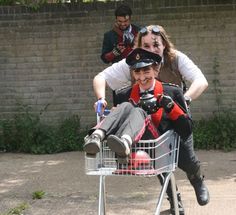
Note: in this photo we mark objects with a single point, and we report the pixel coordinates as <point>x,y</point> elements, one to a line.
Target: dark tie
<point>146,92</point>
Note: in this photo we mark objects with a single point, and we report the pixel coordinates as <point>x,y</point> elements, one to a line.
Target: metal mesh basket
<point>148,158</point>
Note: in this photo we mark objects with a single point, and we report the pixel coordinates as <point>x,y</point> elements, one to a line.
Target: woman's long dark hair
<point>169,51</point>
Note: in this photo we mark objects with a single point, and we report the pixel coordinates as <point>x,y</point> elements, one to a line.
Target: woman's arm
<point>193,74</point>
<point>196,88</point>
<point>115,76</point>
<point>99,86</point>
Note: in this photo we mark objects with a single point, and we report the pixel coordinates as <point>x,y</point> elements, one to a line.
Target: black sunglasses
<point>155,30</point>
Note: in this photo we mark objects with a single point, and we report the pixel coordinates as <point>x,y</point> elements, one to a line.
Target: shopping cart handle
<point>100,103</point>
<point>106,112</point>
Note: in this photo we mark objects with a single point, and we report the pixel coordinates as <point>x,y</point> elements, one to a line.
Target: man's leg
<point>116,120</point>
<point>113,122</point>
<point>133,126</point>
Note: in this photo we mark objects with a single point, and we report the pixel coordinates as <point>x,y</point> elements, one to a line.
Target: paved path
<point>70,192</point>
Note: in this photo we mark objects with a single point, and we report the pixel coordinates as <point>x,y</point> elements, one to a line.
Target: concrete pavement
<point>70,192</point>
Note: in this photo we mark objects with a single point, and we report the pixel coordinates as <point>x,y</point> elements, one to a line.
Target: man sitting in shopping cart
<point>153,108</point>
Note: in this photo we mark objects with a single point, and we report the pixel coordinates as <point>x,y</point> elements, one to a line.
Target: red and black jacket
<point>110,40</point>
<point>178,119</point>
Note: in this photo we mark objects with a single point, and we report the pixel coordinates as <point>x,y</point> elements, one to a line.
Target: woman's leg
<point>190,164</point>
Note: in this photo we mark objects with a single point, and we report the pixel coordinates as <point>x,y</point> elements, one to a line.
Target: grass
<point>18,210</point>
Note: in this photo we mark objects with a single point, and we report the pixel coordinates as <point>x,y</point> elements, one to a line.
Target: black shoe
<point>180,205</point>
<point>201,191</point>
<point>120,146</point>
<point>92,145</point>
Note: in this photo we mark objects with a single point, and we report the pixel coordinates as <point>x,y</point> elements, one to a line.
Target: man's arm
<point>112,51</point>
<point>107,55</point>
<point>178,113</point>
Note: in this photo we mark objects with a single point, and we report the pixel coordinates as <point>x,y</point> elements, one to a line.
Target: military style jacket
<point>110,41</point>
<point>178,119</point>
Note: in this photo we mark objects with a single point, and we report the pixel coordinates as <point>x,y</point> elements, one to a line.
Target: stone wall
<point>49,57</point>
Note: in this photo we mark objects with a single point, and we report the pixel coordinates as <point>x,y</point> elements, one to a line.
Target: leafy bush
<point>7,2</point>
<point>217,132</point>
<point>39,194</point>
<point>66,134</point>
<point>26,133</point>
<point>18,210</point>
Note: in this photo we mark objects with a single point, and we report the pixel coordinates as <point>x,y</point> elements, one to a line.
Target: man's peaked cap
<point>140,58</point>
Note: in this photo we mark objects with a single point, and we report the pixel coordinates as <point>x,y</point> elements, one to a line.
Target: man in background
<point>119,41</point>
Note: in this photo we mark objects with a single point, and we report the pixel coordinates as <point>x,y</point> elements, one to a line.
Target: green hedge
<point>217,132</point>
<point>26,133</point>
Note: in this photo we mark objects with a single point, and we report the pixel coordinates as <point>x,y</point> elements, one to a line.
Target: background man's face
<point>123,22</point>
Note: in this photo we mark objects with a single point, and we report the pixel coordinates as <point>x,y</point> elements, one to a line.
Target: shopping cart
<point>148,158</point>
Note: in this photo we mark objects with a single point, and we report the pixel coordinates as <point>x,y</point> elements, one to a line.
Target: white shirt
<point>118,74</point>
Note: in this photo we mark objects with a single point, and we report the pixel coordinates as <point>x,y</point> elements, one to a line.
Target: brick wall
<point>48,58</point>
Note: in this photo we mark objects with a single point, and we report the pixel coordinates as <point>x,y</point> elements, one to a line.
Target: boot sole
<point>199,200</point>
<point>116,146</point>
<point>202,203</point>
<point>91,148</point>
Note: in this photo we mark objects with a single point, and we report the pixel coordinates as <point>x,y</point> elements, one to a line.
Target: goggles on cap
<point>155,30</point>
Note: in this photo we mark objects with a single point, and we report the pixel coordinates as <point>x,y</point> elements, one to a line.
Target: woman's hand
<point>99,106</point>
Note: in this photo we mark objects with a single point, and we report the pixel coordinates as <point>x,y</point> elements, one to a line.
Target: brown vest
<point>171,74</point>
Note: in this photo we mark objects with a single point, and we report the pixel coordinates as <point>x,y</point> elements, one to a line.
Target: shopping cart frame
<point>105,164</point>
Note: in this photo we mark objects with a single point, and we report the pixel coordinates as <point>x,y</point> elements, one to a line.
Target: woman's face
<point>145,77</point>
<point>153,43</point>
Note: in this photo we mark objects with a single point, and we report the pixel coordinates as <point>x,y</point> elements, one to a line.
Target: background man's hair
<point>123,10</point>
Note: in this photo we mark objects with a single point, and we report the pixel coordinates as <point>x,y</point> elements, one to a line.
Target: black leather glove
<point>128,38</point>
<point>116,51</point>
<point>166,102</point>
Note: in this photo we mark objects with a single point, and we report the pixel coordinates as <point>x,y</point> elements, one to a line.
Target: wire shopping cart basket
<point>148,158</point>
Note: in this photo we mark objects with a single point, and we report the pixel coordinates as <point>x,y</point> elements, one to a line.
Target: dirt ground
<point>69,191</point>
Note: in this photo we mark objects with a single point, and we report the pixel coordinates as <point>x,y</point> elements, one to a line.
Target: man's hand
<point>165,102</point>
<point>118,49</point>
<point>121,47</point>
